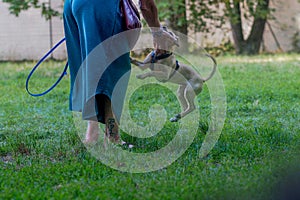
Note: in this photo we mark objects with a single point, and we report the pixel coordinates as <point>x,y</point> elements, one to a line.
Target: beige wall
<point>28,36</point>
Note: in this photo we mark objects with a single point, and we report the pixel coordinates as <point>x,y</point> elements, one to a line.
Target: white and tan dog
<point>165,68</point>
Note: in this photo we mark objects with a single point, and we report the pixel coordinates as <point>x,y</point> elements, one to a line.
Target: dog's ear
<point>176,42</point>
<point>173,35</point>
<point>176,38</point>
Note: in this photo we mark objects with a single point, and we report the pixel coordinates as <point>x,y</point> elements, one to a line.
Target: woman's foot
<point>92,132</point>
<point>112,133</point>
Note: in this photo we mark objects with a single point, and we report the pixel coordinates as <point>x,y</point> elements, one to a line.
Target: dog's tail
<point>214,68</point>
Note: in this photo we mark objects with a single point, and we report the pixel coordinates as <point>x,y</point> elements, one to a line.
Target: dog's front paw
<point>176,118</point>
<point>173,119</point>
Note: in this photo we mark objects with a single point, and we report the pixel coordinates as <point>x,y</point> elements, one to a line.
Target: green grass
<point>41,155</point>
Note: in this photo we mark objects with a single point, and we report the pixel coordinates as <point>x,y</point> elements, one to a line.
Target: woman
<point>87,24</point>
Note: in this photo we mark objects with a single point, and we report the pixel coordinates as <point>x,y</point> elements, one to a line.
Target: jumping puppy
<point>165,68</point>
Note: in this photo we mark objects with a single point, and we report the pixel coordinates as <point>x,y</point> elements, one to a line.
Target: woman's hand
<point>163,39</point>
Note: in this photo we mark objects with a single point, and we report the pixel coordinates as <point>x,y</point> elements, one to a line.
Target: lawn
<point>42,157</point>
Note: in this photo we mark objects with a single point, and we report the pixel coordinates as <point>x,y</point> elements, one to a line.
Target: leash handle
<point>37,65</point>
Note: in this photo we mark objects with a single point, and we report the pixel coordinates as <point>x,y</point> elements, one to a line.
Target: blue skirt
<point>99,64</point>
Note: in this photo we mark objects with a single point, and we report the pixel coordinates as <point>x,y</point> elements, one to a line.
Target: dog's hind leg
<point>180,95</point>
<point>188,98</point>
<point>182,101</point>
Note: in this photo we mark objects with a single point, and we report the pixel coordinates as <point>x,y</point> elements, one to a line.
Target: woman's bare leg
<point>92,132</point>
<point>111,125</point>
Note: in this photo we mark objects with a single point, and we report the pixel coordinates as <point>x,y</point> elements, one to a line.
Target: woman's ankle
<point>112,130</point>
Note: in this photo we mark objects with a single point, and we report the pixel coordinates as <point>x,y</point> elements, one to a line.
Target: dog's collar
<point>154,58</point>
<point>160,57</point>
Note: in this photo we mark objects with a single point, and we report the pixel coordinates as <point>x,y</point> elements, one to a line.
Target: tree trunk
<point>252,44</point>
<point>257,31</point>
<point>236,26</point>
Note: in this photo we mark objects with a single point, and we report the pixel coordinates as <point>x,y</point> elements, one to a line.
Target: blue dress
<point>88,24</point>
